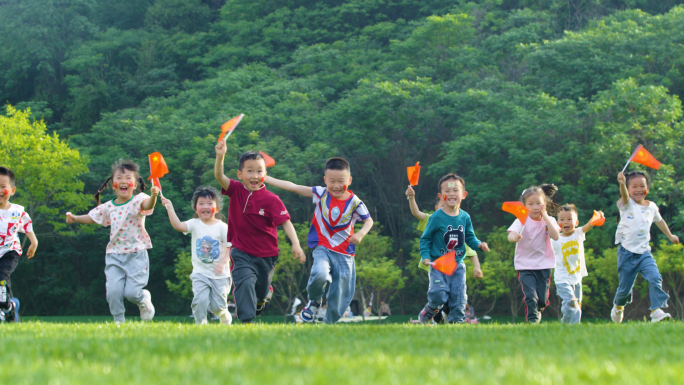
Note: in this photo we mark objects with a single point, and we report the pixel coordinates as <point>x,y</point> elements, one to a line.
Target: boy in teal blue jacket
<point>449,229</point>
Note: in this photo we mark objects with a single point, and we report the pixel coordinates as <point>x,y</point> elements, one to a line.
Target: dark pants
<point>535,286</point>
<point>252,277</point>
<point>8,263</point>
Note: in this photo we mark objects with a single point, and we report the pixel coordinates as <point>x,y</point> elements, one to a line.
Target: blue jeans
<point>449,289</point>
<point>629,264</point>
<point>572,301</point>
<point>337,270</point>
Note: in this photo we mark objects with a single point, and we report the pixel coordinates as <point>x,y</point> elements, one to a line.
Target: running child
<point>423,219</point>
<point>13,220</point>
<point>570,263</point>
<point>534,256</point>
<point>332,239</point>
<point>127,266</point>
<point>210,255</point>
<point>634,253</point>
<point>449,229</point>
<point>254,213</point>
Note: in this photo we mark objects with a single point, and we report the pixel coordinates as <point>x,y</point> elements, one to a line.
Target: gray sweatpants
<point>127,275</point>
<point>210,294</point>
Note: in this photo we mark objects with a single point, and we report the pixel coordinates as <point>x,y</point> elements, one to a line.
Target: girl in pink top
<point>126,261</point>
<point>534,256</point>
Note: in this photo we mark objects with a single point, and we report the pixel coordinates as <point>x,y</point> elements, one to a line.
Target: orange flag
<point>155,181</point>
<point>518,209</point>
<point>270,162</point>
<point>446,263</point>
<point>413,173</point>
<point>597,219</point>
<point>229,126</point>
<point>158,166</point>
<point>642,156</point>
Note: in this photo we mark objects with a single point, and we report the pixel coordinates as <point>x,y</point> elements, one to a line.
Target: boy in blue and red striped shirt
<point>332,239</point>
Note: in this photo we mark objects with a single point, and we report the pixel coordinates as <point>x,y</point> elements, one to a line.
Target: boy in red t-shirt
<point>332,239</point>
<point>254,213</point>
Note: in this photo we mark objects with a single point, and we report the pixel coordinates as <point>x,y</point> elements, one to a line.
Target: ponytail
<point>546,191</point>
<point>143,186</point>
<point>102,187</point>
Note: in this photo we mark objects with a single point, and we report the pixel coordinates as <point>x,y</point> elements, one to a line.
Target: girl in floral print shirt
<point>126,260</point>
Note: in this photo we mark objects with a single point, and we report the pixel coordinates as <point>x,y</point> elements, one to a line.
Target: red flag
<point>413,173</point>
<point>518,209</point>
<point>642,156</point>
<point>158,166</point>
<point>597,219</point>
<point>229,126</point>
<point>155,181</point>
<point>446,263</point>
<point>270,162</point>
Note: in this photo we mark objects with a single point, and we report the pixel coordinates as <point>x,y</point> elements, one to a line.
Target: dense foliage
<point>506,93</point>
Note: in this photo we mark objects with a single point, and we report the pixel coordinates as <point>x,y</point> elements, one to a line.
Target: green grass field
<point>167,352</point>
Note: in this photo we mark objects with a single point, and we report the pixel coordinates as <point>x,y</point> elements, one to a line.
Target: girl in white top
<point>634,253</point>
<point>211,281</point>
<point>127,265</point>
<point>570,263</point>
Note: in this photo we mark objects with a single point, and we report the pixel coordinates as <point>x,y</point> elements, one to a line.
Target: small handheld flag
<point>229,126</point>
<point>158,168</point>
<point>518,209</point>
<point>446,263</point>
<point>270,162</point>
<point>597,219</point>
<point>642,156</point>
<point>413,173</point>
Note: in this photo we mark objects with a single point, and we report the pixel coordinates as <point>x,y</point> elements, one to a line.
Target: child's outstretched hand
<point>483,246</point>
<point>154,191</point>
<point>621,178</point>
<point>477,273</point>
<point>221,147</point>
<point>410,193</point>
<point>298,254</point>
<point>166,203</point>
<point>70,218</point>
<point>674,239</point>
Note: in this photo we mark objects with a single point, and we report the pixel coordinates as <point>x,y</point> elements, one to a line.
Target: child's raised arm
<point>551,226</point>
<point>297,251</point>
<point>589,226</point>
<point>82,219</point>
<point>223,180</point>
<point>149,203</point>
<point>173,218</point>
<point>411,195</point>
<point>304,191</point>
<point>623,188</point>
<point>662,225</point>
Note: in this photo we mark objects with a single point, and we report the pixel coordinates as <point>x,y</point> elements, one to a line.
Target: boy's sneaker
<point>617,313</point>
<point>427,314</point>
<point>261,305</point>
<point>658,315</point>
<point>226,318</point>
<point>146,308</point>
<point>308,314</point>
<point>10,313</point>
<point>440,318</point>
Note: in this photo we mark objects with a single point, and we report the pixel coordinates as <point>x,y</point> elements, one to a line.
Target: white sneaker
<point>226,318</point>
<point>117,323</point>
<point>658,315</point>
<point>617,313</point>
<point>146,307</point>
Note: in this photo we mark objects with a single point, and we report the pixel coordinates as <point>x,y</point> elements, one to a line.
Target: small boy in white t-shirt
<point>570,264</point>
<point>211,281</point>
<point>634,253</point>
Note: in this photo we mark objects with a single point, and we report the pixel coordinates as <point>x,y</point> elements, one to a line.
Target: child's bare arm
<point>223,261</point>
<point>358,236</point>
<point>662,225</point>
<point>623,188</point>
<point>413,205</point>
<point>589,226</point>
<point>297,251</point>
<point>477,270</point>
<point>149,203</point>
<point>173,218</point>
<point>304,191</point>
<point>514,237</point>
<point>223,180</point>
<point>82,219</point>
<point>34,244</point>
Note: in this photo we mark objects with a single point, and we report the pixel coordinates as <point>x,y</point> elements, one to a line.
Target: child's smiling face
<point>253,173</point>
<point>337,182</point>
<point>6,189</point>
<point>567,221</point>
<point>452,193</point>
<point>124,183</point>
<point>206,208</point>
<point>534,203</point>
<point>637,187</point>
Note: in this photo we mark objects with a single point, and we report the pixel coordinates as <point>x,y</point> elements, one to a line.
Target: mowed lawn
<point>37,352</point>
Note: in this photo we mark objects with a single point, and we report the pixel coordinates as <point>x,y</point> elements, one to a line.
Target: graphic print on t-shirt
<point>570,252</point>
<point>453,239</point>
<point>207,249</point>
